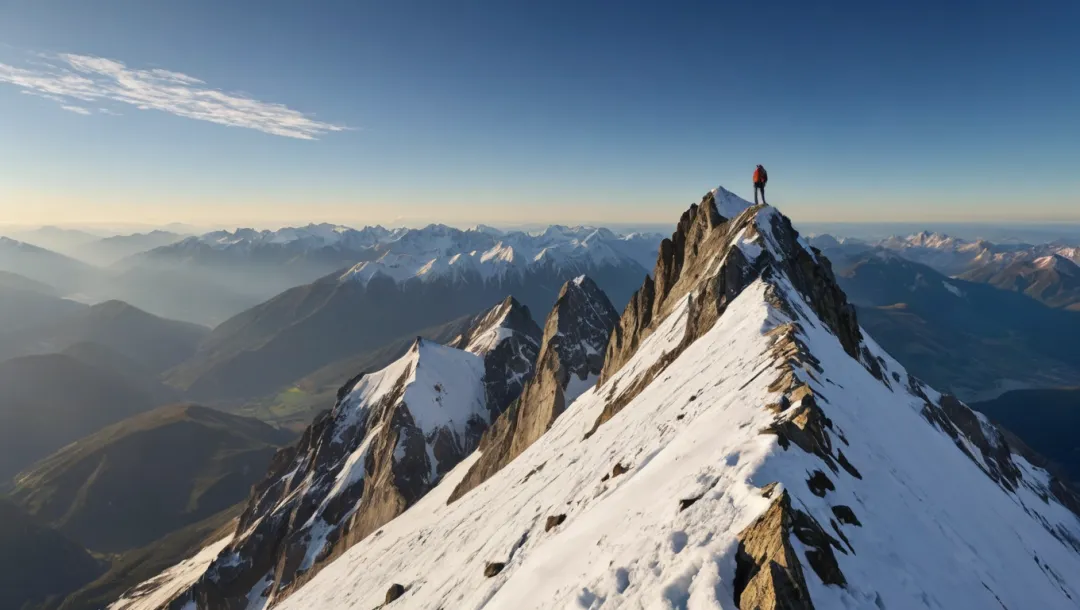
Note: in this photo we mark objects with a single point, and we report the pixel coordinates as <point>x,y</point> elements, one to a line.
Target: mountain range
<point>971,338</point>
<point>422,280</point>
<point>208,278</point>
<point>1047,272</point>
<point>734,439</point>
<point>1051,279</point>
<point>396,432</point>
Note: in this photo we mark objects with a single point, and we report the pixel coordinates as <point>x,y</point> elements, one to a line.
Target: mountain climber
<point>760,178</point>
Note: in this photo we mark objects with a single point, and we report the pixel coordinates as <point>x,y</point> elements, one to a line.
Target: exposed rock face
<point>389,439</point>
<point>572,356</point>
<point>768,573</point>
<point>712,256</point>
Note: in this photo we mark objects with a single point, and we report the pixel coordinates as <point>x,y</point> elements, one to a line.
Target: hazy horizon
<point>1005,232</point>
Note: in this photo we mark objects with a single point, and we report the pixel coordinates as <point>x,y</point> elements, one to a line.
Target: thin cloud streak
<point>85,78</point>
<point>76,110</point>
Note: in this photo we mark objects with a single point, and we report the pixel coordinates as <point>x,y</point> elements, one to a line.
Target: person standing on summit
<point>760,178</point>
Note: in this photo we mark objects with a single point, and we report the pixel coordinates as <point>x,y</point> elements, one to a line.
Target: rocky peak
<point>719,247</point>
<point>508,339</point>
<point>1057,263</point>
<point>571,358</point>
<point>496,325</point>
<point>578,327</point>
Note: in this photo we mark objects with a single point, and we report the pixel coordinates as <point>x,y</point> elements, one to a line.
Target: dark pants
<point>759,186</point>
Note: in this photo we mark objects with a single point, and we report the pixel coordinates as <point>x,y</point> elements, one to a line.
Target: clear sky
<point>507,111</point>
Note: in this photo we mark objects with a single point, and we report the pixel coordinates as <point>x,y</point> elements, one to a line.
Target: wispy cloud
<point>68,79</point>
<point>76,109</point>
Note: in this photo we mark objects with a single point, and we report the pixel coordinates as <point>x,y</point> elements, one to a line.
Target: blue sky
<point>513,111</point>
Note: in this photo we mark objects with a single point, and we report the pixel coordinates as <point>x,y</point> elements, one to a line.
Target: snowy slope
<point>895,512</point>
<point>159,591</point>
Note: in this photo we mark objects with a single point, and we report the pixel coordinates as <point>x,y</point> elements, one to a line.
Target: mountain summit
<point>746,446</point>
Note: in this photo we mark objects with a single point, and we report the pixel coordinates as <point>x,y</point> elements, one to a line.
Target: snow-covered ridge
<point>1058,263</point>
<point>443,387</point>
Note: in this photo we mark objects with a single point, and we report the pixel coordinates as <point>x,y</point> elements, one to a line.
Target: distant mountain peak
<point>497,325</point>
<point>1058,263</point>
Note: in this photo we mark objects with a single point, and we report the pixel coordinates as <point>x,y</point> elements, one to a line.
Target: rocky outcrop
<point>571,357</point>
<point>389,439</point>
<point>768,571</point>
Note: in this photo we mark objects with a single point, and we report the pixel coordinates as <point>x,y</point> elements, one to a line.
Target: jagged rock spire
<point>571,357</point>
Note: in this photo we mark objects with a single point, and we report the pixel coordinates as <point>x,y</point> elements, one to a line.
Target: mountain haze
<point>139,479</point>
<point>968,338</point>
<point>1053,279</point>
<point>52,400</point>
<point>38,563</point>
<point>427,278</point>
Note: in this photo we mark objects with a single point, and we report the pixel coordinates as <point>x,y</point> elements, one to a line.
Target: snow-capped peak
<point>499,324</point>
<point>1056,262</point>
<point>728,204</point>
<point>488,230</point>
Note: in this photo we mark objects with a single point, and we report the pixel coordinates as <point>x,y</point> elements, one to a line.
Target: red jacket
<point>760,175</point>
